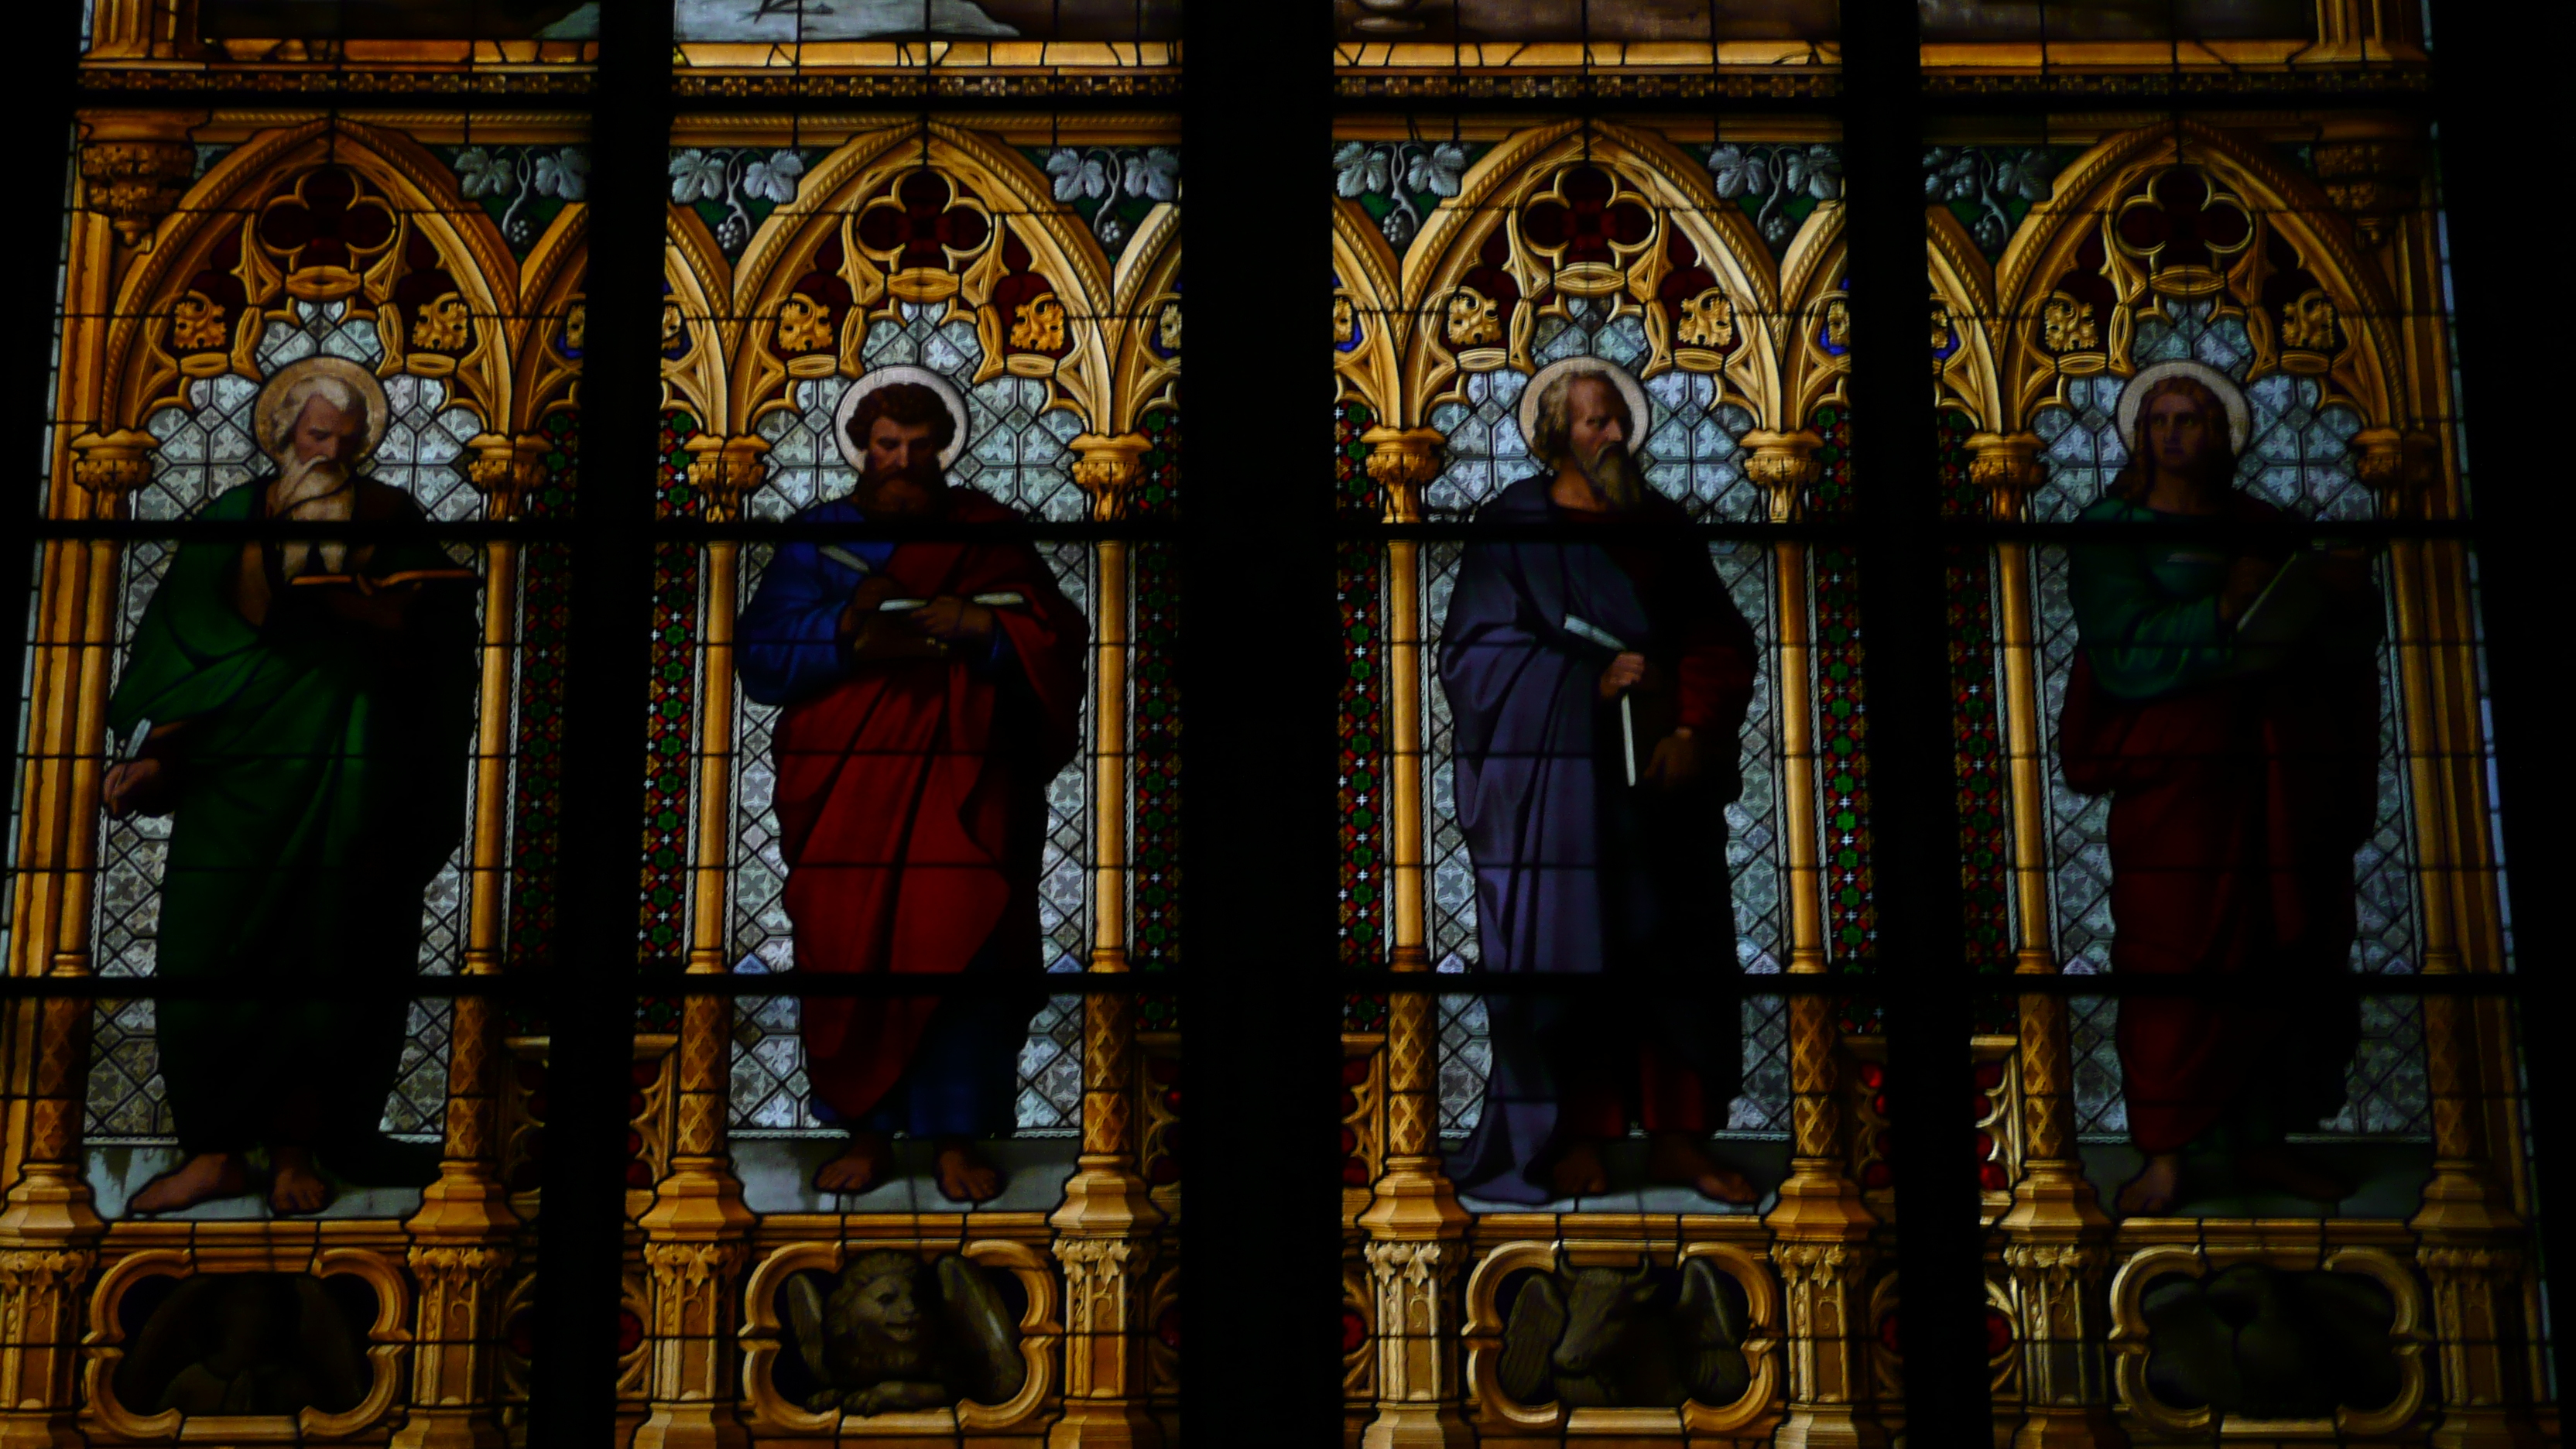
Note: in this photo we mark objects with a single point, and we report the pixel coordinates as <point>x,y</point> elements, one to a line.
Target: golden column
<point>2057,1239</point>
<point>1417,1231</point>
<point>49,1230</point>
<point>697,1232</point>
<point>1105,1225</point>
<point>462,1235</point>
<point>2470,1235</point>
<point>1820,1227</point>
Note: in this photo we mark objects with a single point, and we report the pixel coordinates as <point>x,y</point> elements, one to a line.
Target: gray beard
<point>309,489</point>
<point>1614,473</point>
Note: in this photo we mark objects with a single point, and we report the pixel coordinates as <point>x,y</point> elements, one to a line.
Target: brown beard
<point>1614,474</point>
<point>925,477</point>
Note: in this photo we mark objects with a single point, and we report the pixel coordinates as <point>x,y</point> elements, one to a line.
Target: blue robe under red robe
<point>2239,796</point>
<point>1576,870</point>
<point>911,801</point>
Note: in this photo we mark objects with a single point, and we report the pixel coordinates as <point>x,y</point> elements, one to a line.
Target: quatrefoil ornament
<point>2185,232</point>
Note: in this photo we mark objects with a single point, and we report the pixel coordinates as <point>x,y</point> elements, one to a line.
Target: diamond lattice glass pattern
<point>204,449</point>
<point>1751,855</point>
<point>769,1091</point>
<point>2298,459</point>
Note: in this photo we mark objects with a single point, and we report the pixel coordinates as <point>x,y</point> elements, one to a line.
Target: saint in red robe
<point>911,800</point>
<point>2241,786</point>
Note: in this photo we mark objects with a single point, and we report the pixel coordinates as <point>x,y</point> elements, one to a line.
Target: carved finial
<point>135,183</point>
<point>2009,465</point>
<point>2373,182</point>
<point>724,471</point>
<point>1783,466</point>
<point>1401,461</point>
<point>113,464</point>
<point>1106,467</point>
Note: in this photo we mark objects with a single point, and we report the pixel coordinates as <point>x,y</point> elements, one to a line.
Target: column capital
<point>1401,461</point>
<point>724,471</point>
<point>1106,467</point>
<point>1784,467</point>
<point>2400,465</point>
<point>2009,466</point>
<point>114,464</point>
<point>134,182</point>
<point>504,469</point>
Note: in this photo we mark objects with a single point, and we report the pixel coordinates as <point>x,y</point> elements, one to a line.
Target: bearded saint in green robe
<point>304,713</point>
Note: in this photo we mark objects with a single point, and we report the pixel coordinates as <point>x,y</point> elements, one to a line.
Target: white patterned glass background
<point>2298,459</point>
<point>204,449</point>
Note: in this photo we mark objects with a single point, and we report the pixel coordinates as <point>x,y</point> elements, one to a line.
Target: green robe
<point>320,783</point>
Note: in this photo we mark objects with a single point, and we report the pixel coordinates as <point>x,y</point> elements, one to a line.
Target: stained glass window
<point>629,757</point>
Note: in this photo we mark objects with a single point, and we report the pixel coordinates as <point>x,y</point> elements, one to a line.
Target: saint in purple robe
<point>1577,870</point>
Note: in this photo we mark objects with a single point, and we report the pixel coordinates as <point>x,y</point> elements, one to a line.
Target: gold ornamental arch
<point>1963,304</point>
<point>1527,168</point>
<point>2342,329</point>
<point>1814,337</point>
<point>166,332</point>
<point>770,335</point>
<point>1368,311</point>
<point>1144,325</point>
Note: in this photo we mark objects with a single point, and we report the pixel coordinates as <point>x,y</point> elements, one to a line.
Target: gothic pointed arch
<point>1368,314</point>
<point>331,217</point>
<point>1145,323</point>
<point>931,216</point>
<point>1963,304</point>
<point>2181,213</point>
<point>1597,214</point>
<point>695,328</point>
<point>553,300</point>
<point>1815,317</point>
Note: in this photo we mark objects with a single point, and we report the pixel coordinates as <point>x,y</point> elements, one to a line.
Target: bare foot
<point>964,1175</point>
<point>202,1178</point>
<point>2279,1167</point>
<point>1679,1159</point>
<point>1578,1170</point>
<point>294,1186</point>
<point>861,1165</point>
<point>2156,1188</point>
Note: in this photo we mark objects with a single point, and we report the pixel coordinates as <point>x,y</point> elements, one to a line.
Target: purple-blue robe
<point>1576,870</point>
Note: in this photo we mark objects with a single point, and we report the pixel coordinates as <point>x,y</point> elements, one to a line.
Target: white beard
<point>312,490</point>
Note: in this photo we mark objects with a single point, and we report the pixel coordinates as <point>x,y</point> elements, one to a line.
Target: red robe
<point>910,805</point>
<point>2236,810</point>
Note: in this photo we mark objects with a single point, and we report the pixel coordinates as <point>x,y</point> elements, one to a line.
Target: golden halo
<point>869,382</point>
<point>2240,419</point>
<point>1639,417</point>
<point>272,395</point>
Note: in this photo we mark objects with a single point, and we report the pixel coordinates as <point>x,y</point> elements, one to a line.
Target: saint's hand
<point>953,620</point>
<point>1625,673</point>
<point>1677,762</point>
<point>2246,579</point>
<point>132,785</point>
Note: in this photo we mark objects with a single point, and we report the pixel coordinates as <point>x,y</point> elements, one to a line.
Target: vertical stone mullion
<point>2057,1238</point>
<point>1821,1229</point>
<point>1416,1229</point>
<point>1105,1227</point>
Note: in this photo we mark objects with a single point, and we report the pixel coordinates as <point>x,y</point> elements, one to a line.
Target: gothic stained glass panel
<point>2173,273</point>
